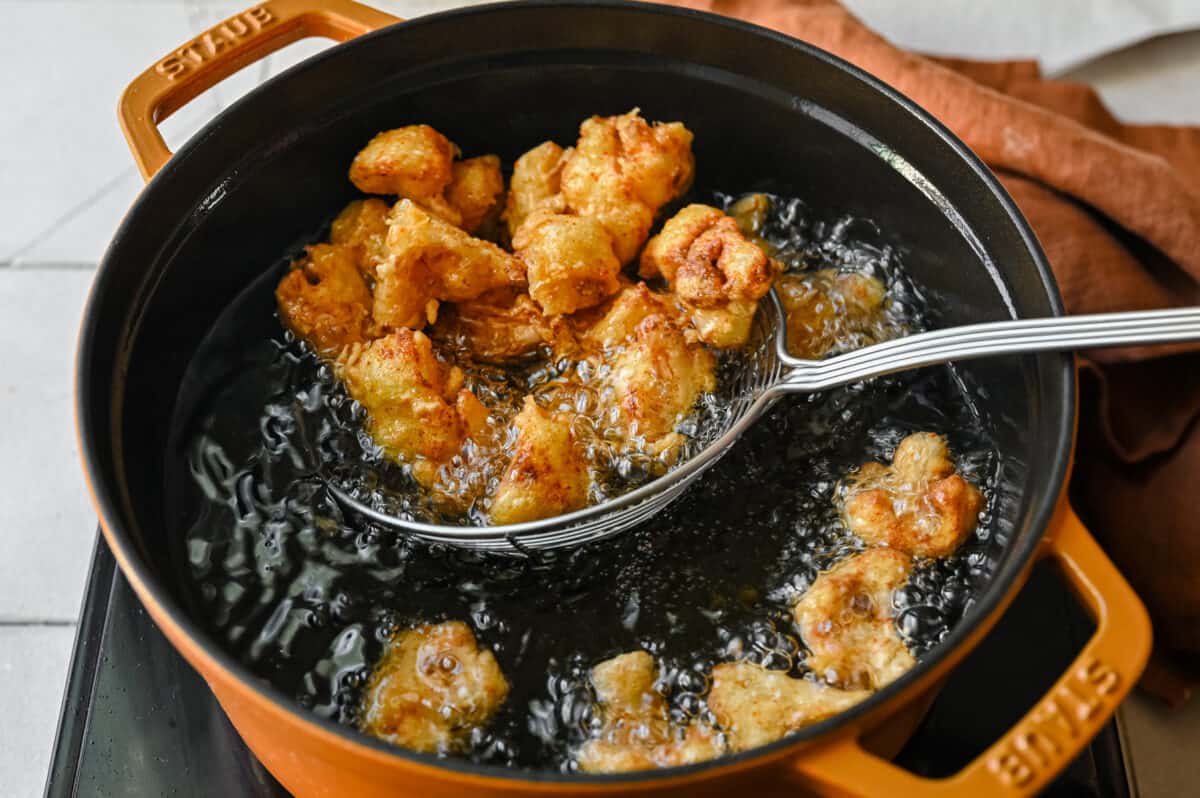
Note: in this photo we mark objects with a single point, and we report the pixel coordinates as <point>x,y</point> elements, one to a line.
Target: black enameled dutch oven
<point>767,110</point>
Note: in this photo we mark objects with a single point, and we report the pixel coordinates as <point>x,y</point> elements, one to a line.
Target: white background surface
<point>66,180</point>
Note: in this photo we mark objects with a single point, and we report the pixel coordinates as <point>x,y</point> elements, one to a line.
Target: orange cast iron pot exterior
<point>314,759</point>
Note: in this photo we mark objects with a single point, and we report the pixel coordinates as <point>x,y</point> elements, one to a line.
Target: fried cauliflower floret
<point>413,161</point>
<point>474,190</point>
<point>828,312</point>
<point>363,224</point>
<point>622,170</point>
<point>415,404</point>
<point>417,163</point>
<point>569,261</point>
<point>918,504</point>
<point>630,307</point>
<point>503,324</point>
<point>846,620</point>
<point>756,706</point>
<point>429,260</point>
<point>431,688</point>
<point>706,260</point>
<point>325,300</point>
<point>657,378</point>
<point>655,159</point>
<point>714,270</point>
<point>636,731</point>
<point>547,476</point>
<point>535,185</point>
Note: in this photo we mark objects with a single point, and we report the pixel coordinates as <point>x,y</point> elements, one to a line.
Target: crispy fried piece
<point>623,170</point>
<point>610,203</point>
<point>713,269</point>
<point>655,159</point>
<point>918,505</point>
<point>657,378</point>
<point>829,312</point>
<point>535,184</point>
<point>412,161</point>
<point>417,163</point>
<point>706,260</point>
<point>569,261</point>
<point>637,732</point>
<point>413,401</point>
<point>501,325</point>
<point>428,260</point>
<point>547,476</point>
<point>633,304</point>
<point>431,688</point>
<point>756,706</point>
<point>847,622</point>
<point>363,224</point>
<point>475,188</point>
<point>325,300</point>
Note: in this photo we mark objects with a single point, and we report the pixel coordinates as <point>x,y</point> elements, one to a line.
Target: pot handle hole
<point>1056,728</point>
<point>222,50</point>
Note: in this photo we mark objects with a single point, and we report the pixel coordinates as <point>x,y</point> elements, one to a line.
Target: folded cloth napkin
<point>1117,209</point>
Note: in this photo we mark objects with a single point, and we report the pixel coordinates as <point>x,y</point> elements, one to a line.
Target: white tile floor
<point>66,179</point>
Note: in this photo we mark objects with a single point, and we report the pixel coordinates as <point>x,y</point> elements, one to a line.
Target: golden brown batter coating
<point>413,161</point>
<point>535,185</point>
<point>636,730</point>
<point>417,163</point>
<point>846,620</point>
<point>618,324</point>
<point>569,261</point>
<point>475,188</point>
<point>655,160</point>
<point>412,400</point>
<point>657,378</point>
<point>503,324</point>
<point>714,270</point>
<point>431,260</point>
<point>324,299</point>
<point>547,476</point>
<point>363,224</point>
<point>827,310</point>
<point>756,706</point>
<point>918,504</point>
<point>623,170</point>
<point>431,688</point>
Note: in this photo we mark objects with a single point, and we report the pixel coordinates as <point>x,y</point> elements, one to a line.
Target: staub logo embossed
<point>1044,738</point>
<point>208,45</point>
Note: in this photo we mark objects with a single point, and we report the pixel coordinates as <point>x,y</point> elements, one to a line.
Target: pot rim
<point>144,576</point>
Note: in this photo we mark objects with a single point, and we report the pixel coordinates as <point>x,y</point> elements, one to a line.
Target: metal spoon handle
<point>1021,336</point>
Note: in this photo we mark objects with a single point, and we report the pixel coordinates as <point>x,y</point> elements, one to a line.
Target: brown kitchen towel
<point>1117,209</point>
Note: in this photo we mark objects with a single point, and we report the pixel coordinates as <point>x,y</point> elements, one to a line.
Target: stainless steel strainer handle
<point>1022,336</point>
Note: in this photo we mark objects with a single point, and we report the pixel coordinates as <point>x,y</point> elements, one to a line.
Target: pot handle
<point>223,50</point>
<point>1058,726</point>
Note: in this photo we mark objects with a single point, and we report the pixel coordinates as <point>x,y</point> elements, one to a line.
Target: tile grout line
<point>71,213</point>
<point>37,623</point>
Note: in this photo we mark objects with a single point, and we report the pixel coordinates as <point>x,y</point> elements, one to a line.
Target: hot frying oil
<point>306,596</point>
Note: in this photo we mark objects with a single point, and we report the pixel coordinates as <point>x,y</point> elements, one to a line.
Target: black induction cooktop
<point>138,722</point>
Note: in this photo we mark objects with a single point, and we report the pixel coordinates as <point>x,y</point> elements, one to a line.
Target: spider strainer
<point>763,374</point>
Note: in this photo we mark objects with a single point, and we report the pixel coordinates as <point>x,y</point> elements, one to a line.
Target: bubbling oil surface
<point>306,595</point>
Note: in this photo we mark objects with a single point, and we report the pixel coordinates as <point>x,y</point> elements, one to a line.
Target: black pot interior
<point>766,112</point>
